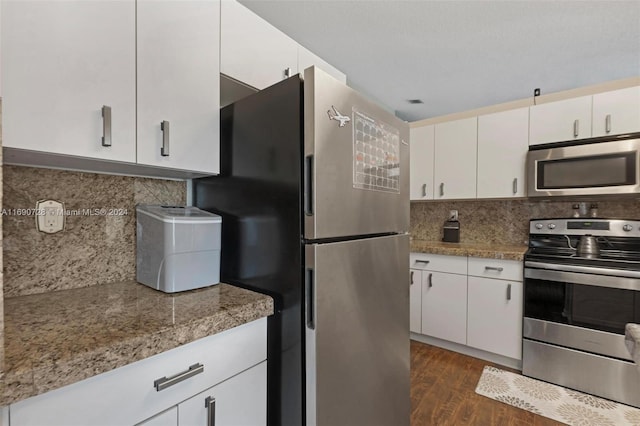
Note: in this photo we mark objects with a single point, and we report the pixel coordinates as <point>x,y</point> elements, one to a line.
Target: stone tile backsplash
<point>502,221</point>
<point>94,248</point>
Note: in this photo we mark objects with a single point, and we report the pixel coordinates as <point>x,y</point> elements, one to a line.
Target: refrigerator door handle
<point>308,185</point>
<point>310,299</point>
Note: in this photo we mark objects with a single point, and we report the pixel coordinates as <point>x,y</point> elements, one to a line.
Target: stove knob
<point>552,226</point>
<point>627,228</point>
<point>538,226</point>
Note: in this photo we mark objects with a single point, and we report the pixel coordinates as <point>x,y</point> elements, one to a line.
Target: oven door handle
<point>583,269</point>
<point>551,273</point>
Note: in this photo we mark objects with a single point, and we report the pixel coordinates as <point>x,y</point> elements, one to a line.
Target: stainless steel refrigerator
<point>313,194</point>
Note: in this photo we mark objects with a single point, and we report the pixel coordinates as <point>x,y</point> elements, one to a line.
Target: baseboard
<point>467,350</point>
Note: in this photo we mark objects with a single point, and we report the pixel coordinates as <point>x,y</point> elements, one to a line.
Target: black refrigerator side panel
<point>258,195</point>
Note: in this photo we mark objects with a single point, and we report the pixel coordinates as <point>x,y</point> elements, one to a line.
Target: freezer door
<point>357,332</point>
<point>356,162</point>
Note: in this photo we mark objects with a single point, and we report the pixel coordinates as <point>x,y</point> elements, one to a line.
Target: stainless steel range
<point>581,287</point>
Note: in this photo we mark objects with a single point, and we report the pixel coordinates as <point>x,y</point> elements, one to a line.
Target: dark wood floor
<point>443,387</point>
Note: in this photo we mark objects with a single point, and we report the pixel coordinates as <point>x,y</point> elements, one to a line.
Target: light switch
<point>49,216</point>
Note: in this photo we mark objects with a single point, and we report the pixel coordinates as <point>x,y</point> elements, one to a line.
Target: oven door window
<point>598,308</point>
<point>588,172</point>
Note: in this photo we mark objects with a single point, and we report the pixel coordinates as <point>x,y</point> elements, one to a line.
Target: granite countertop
<point>632,340</point>
<point>490,251</point>
<point>58,338</point>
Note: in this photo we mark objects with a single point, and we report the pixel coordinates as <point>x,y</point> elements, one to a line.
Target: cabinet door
<point>415,301</point>
<point>252,50</point>
<point>421,163</point>
<point>560,121</point>
<point>495,316</point>
<point>178,83</point>
<point>61,63</point>
<point>616,112</point>
<point>455,159</point>
<point>308,59</point>
<point>503,142</point>
<point>167,418</point>
<point>238,401</point>
<point>444,306</point>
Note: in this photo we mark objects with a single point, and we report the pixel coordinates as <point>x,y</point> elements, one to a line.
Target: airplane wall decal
<point>343,119</point>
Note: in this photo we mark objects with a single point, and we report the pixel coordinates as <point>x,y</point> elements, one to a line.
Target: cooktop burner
<point>617,242</point>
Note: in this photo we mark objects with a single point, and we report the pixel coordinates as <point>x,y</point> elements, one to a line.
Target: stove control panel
<point>577,226</point>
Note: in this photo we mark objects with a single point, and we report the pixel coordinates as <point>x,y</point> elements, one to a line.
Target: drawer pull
<point>106,126</point>
<point>165,382</point>
<point>493,268</point>
<point>426,262</point>
<point>164,149</point>
<point>210,405</point>
<point>430,280</point>
<point>509,292</point>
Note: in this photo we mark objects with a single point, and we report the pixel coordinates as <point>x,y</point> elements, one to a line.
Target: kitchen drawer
<point>130,390</point>
<point>439,263</point>
<point>495,268</point>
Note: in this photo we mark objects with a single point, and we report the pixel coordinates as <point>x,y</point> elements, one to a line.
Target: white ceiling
<point>461,55</point>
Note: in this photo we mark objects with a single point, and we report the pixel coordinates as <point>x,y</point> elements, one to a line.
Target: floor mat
<point>555,402</point>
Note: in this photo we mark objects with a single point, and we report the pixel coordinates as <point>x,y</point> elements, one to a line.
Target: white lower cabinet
<point>471,301</point>
<point>494,316</point>
<point>230,365</point>
<point>444,306</point>
<point>240,400</point>
<point>166,418</point>
<point>415,301</point>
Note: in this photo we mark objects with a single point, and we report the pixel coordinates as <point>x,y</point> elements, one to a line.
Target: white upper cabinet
<point>178,84</point>
<point>560,121</point>
<point>61,63</point>
<point>252,50</point>
<point>455,159</point>
<point>307,59</point>
<point>616,112</point>
<point>421,163</point>
<point>503,142</point>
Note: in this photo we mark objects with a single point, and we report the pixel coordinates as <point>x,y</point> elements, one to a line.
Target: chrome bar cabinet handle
<point>493,268</point>
<point>424,189</point>
<point>411,277</point>
<point>515,185</point>
<point>607,123</point>
<point>509,292</point>
<point>430,280</point>
<point>426,262</point>
<point>442,189</point>
<point>210,405</point>
<point>106,126</point>
<point>164,126</point>
<point>165,382</point>
<point>576,128</point>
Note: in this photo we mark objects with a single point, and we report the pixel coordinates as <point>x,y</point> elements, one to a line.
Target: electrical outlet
<point>49,216</point>
<point>453,214</point>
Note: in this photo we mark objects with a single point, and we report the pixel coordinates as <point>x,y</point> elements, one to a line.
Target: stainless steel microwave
<point>602,166</point>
